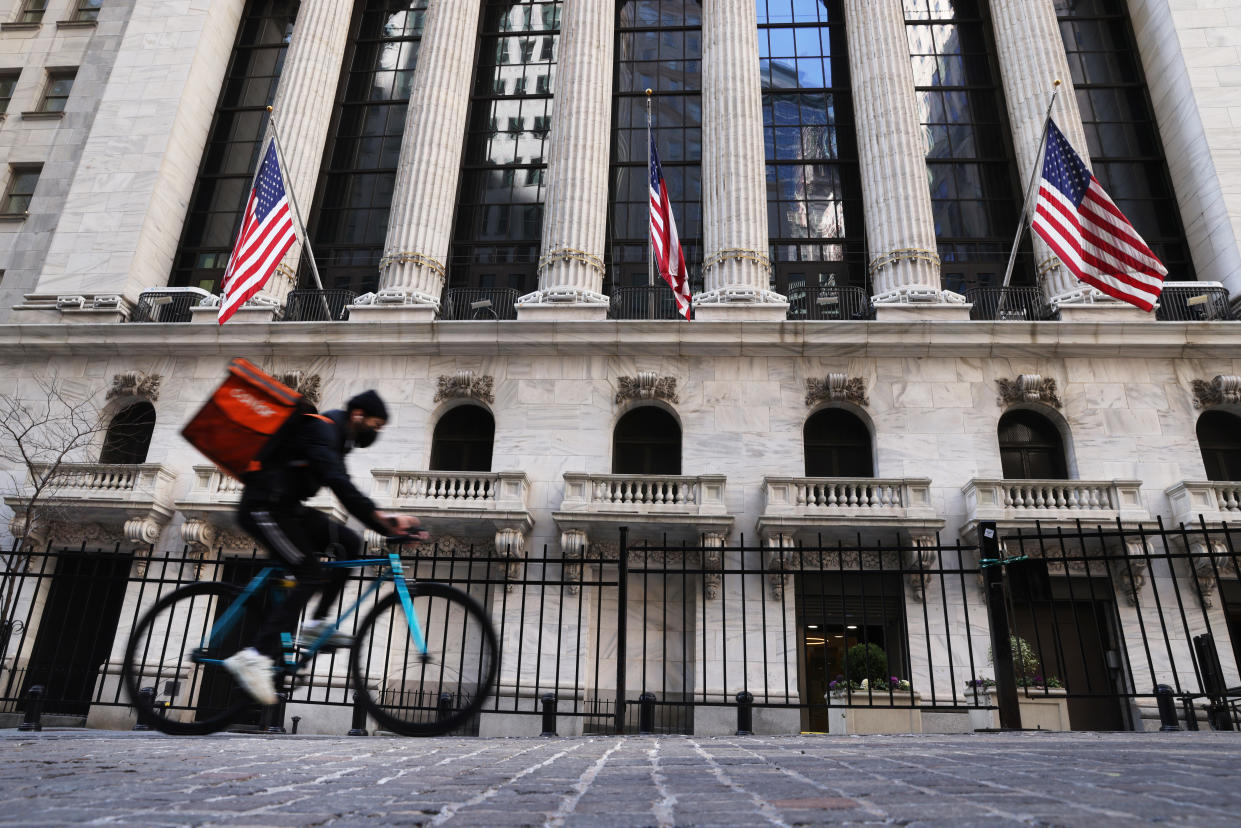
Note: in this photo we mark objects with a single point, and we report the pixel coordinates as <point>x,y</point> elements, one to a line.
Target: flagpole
<point>1025,207</point>
<point>297,215</point>
<point>650,245</point>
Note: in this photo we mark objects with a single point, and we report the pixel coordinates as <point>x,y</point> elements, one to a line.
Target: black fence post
<point>1167,708</point>
<point>296,719</point>
<point>745,713</point>
<point>1213,681</point>
<point>549,714</point>
<point>358,727</point>
<point>273,715</point>
<point>1191,715</point>
<point>646,713</point>
<point>34,710</point>
<point>997,612</point>
<point>622,601</point>
<point>146,699</point>
<point>444,709</point>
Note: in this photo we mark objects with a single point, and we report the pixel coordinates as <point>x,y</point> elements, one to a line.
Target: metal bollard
<point>444,709</point>
<point>273,715</point>
<point>1167,708</point>
<point>646,713</point>
<point>358,727</point>
<point>745,713</point>
<point>549,714</point>
<point>34,710</point>
<point>296,719</point>
<point>146,698</point>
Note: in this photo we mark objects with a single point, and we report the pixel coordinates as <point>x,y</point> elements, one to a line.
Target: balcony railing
<point>1015,304</point>
<point>1209,500</point>
<point>813,304</point>
<point>460,503</point>
<point>167,304</point>
<point>811,504</point>
<point>640,492</point>
<point>318,305</point>
<point>1054,500</point>
<point>479,303</point>
<point>1193,302</point>
<point>95,481</point>
<point>644,302</point>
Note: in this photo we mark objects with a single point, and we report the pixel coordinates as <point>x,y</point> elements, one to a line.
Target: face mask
<point>363,436</point>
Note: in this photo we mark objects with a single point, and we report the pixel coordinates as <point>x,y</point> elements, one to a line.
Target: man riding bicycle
<point>272,510</point>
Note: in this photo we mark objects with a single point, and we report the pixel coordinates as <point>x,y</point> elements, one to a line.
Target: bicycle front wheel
<point>189,696</point>
<point>417,694</point>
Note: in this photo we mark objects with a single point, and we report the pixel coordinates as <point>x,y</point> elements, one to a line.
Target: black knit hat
<point>370,403</point>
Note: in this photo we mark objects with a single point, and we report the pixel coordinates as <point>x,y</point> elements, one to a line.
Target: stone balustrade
<point>464,503</point>
<point>598,503</point>
<point>823,504</point>
<point>1211,501</point>
<point>1017,502</point>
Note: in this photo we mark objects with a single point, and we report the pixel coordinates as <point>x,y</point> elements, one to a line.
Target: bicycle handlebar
<point>405,537</point>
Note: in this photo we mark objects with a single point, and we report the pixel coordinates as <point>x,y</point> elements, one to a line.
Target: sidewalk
<point>1086,779</point>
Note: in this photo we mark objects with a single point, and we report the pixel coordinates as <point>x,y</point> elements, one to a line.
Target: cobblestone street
<point>74,777</point>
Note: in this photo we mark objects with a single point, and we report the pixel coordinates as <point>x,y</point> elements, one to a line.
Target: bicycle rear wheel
<point>416,696</point>
<point>194,698</point>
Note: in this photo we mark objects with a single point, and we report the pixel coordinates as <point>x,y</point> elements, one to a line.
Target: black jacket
<point>308,458</point>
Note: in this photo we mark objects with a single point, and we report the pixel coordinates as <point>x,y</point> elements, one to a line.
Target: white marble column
<point>1032,59</point>
<point>303,111</point>
<point>736,268</point>
<point>904,264</point>
<point>575,208</point>
<point>412,271</point>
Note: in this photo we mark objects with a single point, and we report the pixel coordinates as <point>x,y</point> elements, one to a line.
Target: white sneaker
<point>313,629</point>
<point>254,672</point>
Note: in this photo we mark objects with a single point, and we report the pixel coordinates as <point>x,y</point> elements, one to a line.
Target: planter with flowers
<point>870,700</point>
<point>1042,700</point>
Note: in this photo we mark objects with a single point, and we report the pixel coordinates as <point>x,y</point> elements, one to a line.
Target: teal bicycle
<point>422,663</point>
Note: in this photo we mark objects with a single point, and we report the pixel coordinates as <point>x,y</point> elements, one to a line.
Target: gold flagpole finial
<point>648,92</point>
<point>1056,82</point>
<point>269,108</point>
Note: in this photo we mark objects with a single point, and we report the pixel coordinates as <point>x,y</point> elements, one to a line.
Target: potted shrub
<point>870,699</point>
<point>1041,700</point>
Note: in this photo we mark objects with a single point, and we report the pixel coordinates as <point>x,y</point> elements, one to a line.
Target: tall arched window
<point>1219,438</point>
<point>129,435</point>
<point>837,445</point>
<point>647,440</point>
<point>1031,447</point>
<point>814,188</point>
<point>463,439</point>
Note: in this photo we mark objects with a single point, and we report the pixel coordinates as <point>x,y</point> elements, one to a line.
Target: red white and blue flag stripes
<point>1087,231</point>
<point>664,240</point>
<point>266,235</point>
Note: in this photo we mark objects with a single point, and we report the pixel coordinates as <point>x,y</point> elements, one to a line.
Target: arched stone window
<point>129,435</point>
<point>647,440</point>
<point>837,445</point>
<point>463,439</point>
<point>1219,438</point>
<point>1031,447</point>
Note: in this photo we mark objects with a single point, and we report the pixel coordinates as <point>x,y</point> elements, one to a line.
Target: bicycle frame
<point>392,570</point>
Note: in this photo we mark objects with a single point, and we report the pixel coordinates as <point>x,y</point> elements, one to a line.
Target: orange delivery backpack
<point>241,424</point>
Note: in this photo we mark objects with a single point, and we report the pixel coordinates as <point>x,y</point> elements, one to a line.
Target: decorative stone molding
<point>782,559</point>
<point>712,563</point>
<point>1224,388</point>
<point>196,532</point>
<point>1130,574</point>
<point>573,545</point>
<point>646,386</point>
<point>308,385</point>
<point>1027,388</point>
<point>145,529</point>
<point>836,387</point>
<point>921,556</point>
<point>1210,562</point>
<point>510,544</point>
<point>465,385</point>
<point>66,535</point>
<point>135,384</point>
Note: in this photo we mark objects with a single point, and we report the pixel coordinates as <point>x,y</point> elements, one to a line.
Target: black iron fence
<point>318,305</point>
<point>1014,304</point>
<point>644,302</point>
<point>1100,628</point>
<point>166,305</point>
<point>812,303</point>
<point>1194,303</point>
<point>479,303</point>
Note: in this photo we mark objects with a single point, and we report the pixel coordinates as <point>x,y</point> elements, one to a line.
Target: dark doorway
<point>216,695</point>
<point>647,440</point>
<point>837,445</point>
<point>77,628</point>
<point>840,610</point>
<point>1219,438</point>
<point>1031,447</point>
<point>463,439</point>
<point>129,435</point>
<point>1070,622</point>
<point>1230,592</point>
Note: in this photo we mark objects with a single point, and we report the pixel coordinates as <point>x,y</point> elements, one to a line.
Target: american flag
<point>668,255</point>
<point>1085,228</point>
<point>266,235</point>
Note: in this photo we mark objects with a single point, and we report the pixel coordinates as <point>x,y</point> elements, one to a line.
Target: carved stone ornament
<point>784,557</point>
<point>646,386</point>
<point>836,387</point>
<point>465,384</point>
<point>135,384</point>
<point>1211,561</point>
<point>308,385</point>
<point>922,556</point>
<point>1028,388</point>
<point>1223,389</point>
<point>93,535</point>
<point>1128,571</point>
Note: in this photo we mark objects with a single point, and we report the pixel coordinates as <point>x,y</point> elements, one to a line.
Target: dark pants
<point>296,537</point>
